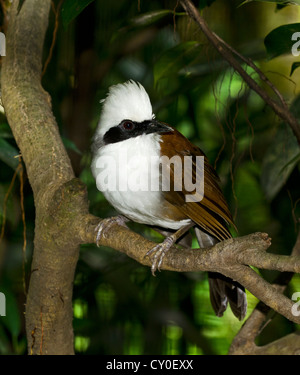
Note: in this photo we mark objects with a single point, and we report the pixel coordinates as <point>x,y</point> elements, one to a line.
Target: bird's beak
<point>160,127</point>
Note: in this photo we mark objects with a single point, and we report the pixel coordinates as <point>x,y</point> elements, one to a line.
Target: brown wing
<point>210,213</point>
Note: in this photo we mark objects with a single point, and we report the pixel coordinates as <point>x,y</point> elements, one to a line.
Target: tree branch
<point>227,52</point>
<point>244,342</point>
<point>229,257</point>
<point>28,109</point>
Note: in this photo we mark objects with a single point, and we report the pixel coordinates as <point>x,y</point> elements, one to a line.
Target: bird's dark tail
<point>223,290</point>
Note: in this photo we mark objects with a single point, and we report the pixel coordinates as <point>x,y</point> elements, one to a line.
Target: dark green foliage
<point>71,9</point>
<point>279,41</point>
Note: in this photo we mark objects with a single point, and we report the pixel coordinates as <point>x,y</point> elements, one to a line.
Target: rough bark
<point>28,110</point>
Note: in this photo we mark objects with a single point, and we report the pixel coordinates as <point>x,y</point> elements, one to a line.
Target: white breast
<point>127,173</point>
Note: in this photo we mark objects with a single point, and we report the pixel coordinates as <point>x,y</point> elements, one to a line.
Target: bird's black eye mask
<point>131,129</point>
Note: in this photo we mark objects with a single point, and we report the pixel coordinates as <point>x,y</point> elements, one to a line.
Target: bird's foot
<point>106,224</point>
<point>159,252</point>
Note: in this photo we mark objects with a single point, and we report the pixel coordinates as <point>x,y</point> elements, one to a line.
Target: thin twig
<point>250,63</point>
<point>279,108</point>
<point>56,12</point>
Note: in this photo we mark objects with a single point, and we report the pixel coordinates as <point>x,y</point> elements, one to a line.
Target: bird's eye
<point>128,125</point>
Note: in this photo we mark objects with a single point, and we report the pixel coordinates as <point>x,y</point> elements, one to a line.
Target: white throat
<point>109,168</point>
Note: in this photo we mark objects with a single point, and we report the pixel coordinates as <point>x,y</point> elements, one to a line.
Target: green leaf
<point>149,18</point>
<point>281,157</point>
<point>21,2</point>
<point>279,41</point>
<point>5,131</point>
<point>292,161</point>
<point>71,145</point>
<point>175,59</point>
<point>8,154</point>
<point>71,9</point>
<point>280,6</point>
<point>295,65</point>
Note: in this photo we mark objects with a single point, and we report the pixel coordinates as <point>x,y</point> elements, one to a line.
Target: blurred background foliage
<point>119,308</point>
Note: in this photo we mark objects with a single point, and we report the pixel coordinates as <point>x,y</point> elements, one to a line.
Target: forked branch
<point>232,258</point>
<point>244,341</point>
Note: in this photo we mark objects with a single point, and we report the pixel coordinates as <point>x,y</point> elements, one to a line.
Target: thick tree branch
<point>28,110</point>
<point>231,258</point>
<point>228,53</point>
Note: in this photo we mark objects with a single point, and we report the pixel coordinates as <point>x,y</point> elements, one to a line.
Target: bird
<point>127,143</point>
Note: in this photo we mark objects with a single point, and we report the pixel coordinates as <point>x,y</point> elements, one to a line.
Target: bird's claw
<point>159,252</point>
<point>106,224</point>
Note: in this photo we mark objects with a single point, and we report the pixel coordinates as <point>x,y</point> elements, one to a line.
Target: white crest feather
<point>125,101</point>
